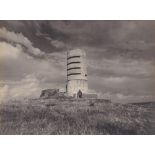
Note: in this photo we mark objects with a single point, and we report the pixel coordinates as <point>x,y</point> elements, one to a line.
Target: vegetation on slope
<point>65,117</point>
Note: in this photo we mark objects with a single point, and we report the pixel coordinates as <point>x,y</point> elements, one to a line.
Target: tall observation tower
<point>77,84</point>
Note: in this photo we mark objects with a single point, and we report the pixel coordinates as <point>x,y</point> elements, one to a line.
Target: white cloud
<point>19,38</point>
<point>15,37</point>
<point>57,43</point>
<point>29,87</point>
<point>8,51</point>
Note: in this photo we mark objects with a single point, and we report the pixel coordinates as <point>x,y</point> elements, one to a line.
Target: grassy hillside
<point>75,117</point>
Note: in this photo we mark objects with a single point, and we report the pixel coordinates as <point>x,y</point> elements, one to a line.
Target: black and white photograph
<point>77,77</point>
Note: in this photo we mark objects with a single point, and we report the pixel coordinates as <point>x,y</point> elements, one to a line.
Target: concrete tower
<point>77,84</point>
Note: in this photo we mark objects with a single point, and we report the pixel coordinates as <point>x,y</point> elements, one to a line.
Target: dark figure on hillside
<point>79,94</point>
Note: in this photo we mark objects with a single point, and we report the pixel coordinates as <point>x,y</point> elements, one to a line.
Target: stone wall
<point>48,93</point>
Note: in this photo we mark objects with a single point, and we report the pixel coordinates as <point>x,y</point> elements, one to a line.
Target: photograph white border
<point>77,10</point>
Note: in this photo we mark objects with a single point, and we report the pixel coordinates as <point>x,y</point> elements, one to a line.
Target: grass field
<point>76,117</point>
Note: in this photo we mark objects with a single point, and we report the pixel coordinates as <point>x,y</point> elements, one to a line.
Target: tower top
<point>76,52</point>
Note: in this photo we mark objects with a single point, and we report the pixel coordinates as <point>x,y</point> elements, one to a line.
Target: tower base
<point>76,87</point>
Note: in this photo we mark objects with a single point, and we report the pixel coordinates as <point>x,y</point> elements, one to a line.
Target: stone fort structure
<point>77,81</point>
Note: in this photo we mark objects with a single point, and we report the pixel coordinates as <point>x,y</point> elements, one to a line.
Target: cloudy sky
<point>120,57</point>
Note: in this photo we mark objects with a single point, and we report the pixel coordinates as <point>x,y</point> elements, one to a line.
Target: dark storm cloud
<point>125,38</point>
<point>39,33</point>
